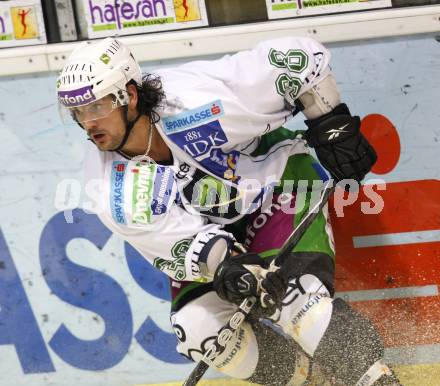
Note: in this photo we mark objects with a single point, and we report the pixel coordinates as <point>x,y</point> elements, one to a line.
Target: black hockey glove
<point>340,146</point>
<point>239,277</point>
<point>274,287</point>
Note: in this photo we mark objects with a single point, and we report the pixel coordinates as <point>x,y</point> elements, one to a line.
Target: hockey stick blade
<point>234,323</point>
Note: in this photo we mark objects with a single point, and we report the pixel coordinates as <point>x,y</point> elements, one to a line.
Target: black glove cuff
<point>341,109</point>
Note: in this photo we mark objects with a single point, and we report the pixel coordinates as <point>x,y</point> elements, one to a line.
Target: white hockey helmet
<point>92,72</point>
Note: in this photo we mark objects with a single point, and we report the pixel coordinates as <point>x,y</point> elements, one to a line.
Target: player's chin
<point>105,146</point>
<point>105,143</point>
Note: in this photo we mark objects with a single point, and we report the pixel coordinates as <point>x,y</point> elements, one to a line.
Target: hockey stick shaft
<point>301,228</point>
<point>234,323</point>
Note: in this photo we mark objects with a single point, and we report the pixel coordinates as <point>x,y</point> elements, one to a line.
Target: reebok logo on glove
<point>335,132</point>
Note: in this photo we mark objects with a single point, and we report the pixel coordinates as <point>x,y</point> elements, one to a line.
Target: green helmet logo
<point>105,58</point>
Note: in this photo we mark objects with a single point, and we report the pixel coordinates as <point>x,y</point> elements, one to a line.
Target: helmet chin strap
<point>128,127</point>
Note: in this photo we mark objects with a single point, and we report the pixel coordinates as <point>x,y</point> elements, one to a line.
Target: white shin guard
<point>343,343</point>
<point>306,312</point>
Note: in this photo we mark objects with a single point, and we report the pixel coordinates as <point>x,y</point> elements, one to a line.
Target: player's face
<point>106,132</point>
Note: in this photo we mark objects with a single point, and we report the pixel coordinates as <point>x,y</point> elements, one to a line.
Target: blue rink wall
<point>80,306</point>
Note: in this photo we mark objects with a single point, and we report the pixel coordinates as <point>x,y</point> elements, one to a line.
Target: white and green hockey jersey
<point>221,120</point>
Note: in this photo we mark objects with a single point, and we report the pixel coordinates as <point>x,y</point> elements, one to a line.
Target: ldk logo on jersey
<point>199,133</point>
<point>198,141</point>
<point>203,144</point>
<point>194,117</point>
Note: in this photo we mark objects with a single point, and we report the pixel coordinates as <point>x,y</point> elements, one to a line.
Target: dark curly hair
<point>150,96</point>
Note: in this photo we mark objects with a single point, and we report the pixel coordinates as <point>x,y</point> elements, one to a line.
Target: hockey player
<point>179,162</point>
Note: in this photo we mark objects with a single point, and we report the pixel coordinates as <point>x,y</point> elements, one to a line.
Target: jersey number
<point>295,61</point>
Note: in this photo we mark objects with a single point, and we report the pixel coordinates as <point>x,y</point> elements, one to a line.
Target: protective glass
<point>97,109</point>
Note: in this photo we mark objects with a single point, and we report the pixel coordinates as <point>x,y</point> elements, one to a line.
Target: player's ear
<point>133,96</point>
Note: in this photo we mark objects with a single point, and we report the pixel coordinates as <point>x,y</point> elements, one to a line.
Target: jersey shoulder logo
<point>195,117</point>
